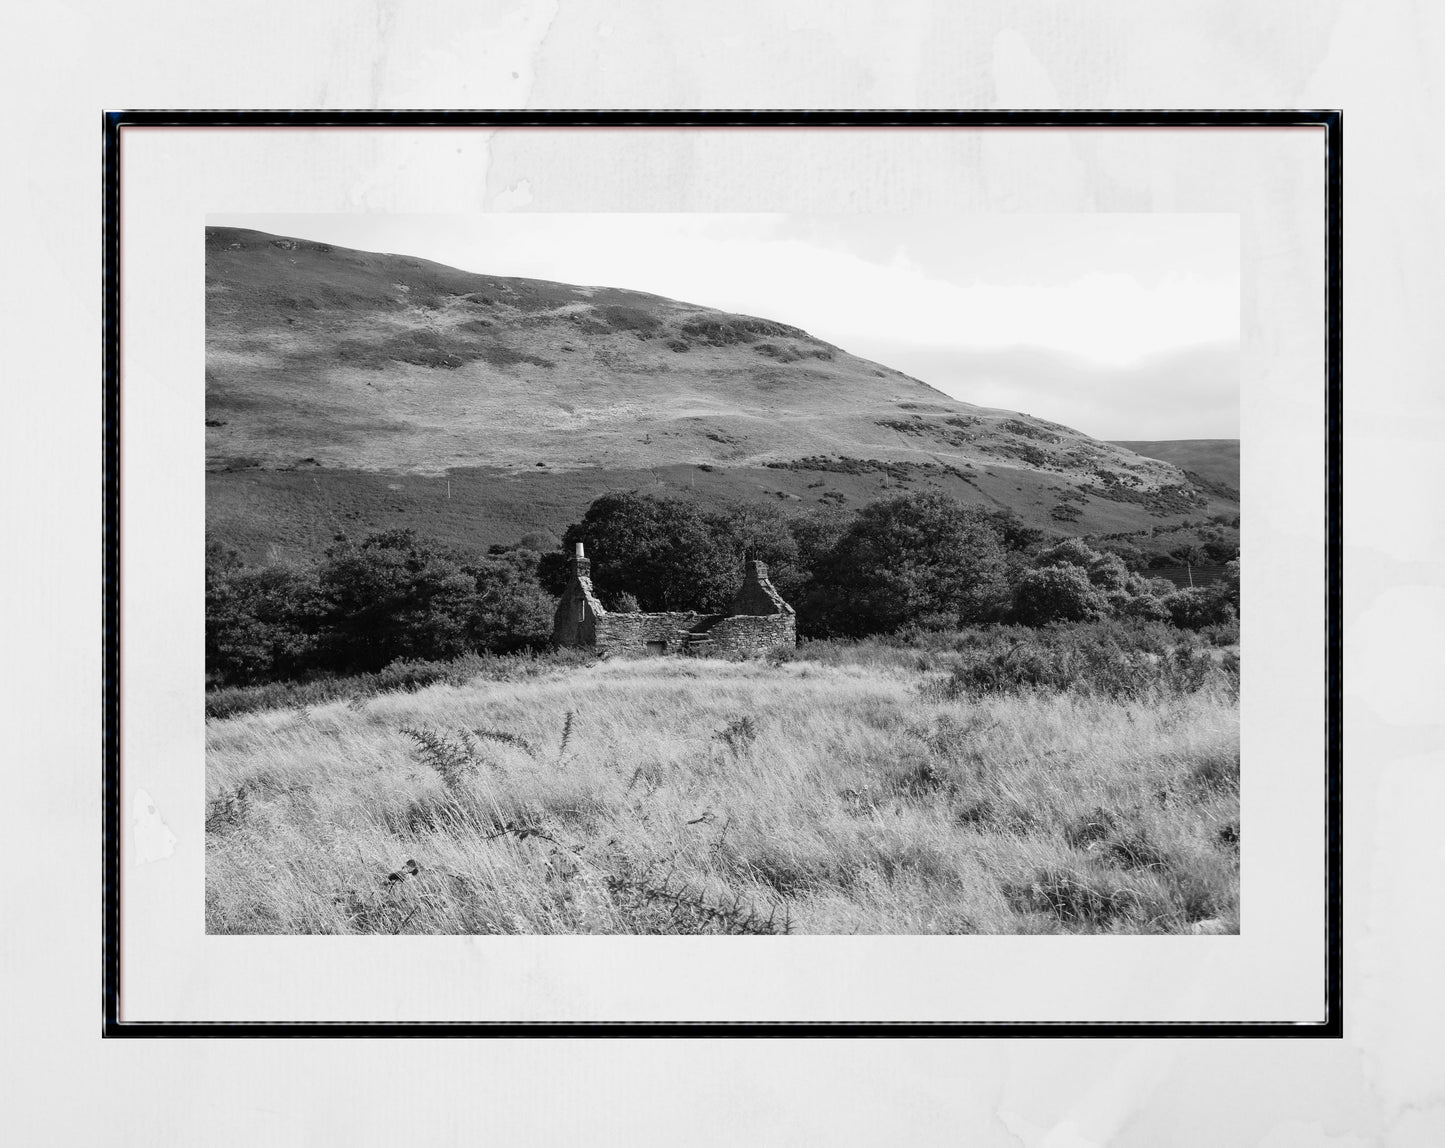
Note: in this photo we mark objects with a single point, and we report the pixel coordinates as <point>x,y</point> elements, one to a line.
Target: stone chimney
<point>575,622</point>
<point>757,596</point>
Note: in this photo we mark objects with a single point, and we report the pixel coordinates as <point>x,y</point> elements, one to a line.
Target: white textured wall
<point>1379,60</point>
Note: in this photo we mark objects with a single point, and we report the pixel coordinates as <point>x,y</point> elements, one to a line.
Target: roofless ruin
<point>756,622</point>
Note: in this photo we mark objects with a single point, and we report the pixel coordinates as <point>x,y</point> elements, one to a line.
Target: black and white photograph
<point>729,574</point>
<point>722,574</point>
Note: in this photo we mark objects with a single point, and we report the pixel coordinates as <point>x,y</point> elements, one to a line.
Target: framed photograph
<point>709,573</point>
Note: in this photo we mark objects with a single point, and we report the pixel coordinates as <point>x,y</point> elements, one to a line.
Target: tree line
<point>919,561</point>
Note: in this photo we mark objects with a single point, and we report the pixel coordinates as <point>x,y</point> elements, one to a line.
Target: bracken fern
<point>452,757</point>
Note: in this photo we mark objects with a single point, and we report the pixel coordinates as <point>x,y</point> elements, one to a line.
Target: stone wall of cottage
<point>640,633</point>
<point>757,621</point>
<point>746,635</point>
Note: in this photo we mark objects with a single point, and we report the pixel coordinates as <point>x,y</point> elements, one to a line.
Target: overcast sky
<point>1123,326</point>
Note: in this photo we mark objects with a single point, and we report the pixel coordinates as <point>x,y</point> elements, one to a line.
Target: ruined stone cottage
<point>756,622</point>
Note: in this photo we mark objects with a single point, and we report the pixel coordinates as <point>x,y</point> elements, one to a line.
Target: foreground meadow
<point>864,790</point>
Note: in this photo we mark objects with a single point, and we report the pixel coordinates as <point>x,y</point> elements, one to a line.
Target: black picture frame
<point>113,122</point>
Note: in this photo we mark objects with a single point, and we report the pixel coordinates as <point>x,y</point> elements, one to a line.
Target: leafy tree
<point>553,569</point>
<point>917,560</point>
<point>509,610</point>
<point>1012,531</point>
<point>661,550</point>
<point>817,533</point>
<point>761,531</point>
<point>393,596</point>
<point>260,623</point>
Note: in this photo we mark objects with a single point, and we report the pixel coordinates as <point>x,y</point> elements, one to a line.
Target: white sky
<point>1124,326</point>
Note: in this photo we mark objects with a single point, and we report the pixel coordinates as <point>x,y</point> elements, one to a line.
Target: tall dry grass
<point>690,796</point>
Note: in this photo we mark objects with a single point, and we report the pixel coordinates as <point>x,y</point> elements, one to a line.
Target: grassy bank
<point>866,787</point>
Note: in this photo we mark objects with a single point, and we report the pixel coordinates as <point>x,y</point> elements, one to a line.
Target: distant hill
<point>350,390</point>
<point>1216,459</point>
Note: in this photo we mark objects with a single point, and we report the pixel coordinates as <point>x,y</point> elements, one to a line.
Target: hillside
<point>355,390</point>
<point>1216,459</point>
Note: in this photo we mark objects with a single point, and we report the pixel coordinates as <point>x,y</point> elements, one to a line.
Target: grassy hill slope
<point>355,390</point>
<point>1216,459</point>
<point>294,513</point>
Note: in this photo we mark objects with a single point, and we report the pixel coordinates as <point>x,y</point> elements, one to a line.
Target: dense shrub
<point>1109,659</point>
<point>1138,601</point>
<point>1222,633</point>
<point>1196,608</point>
<point>641,323</point>
<point>1105,570</point>
<point>1068,552</point>
<point>1132,557</point>
<point>1056,591</point>
<point>1057,594</point>
<point>1228,590</point>
<point>389,597</point>
<point>1012,531</point>
<point>725,330</point>
<point>1108,572</point>
<point>537,541</point>
<point>1221,550</point>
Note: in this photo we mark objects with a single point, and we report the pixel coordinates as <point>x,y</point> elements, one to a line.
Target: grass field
<point>870,788</point>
